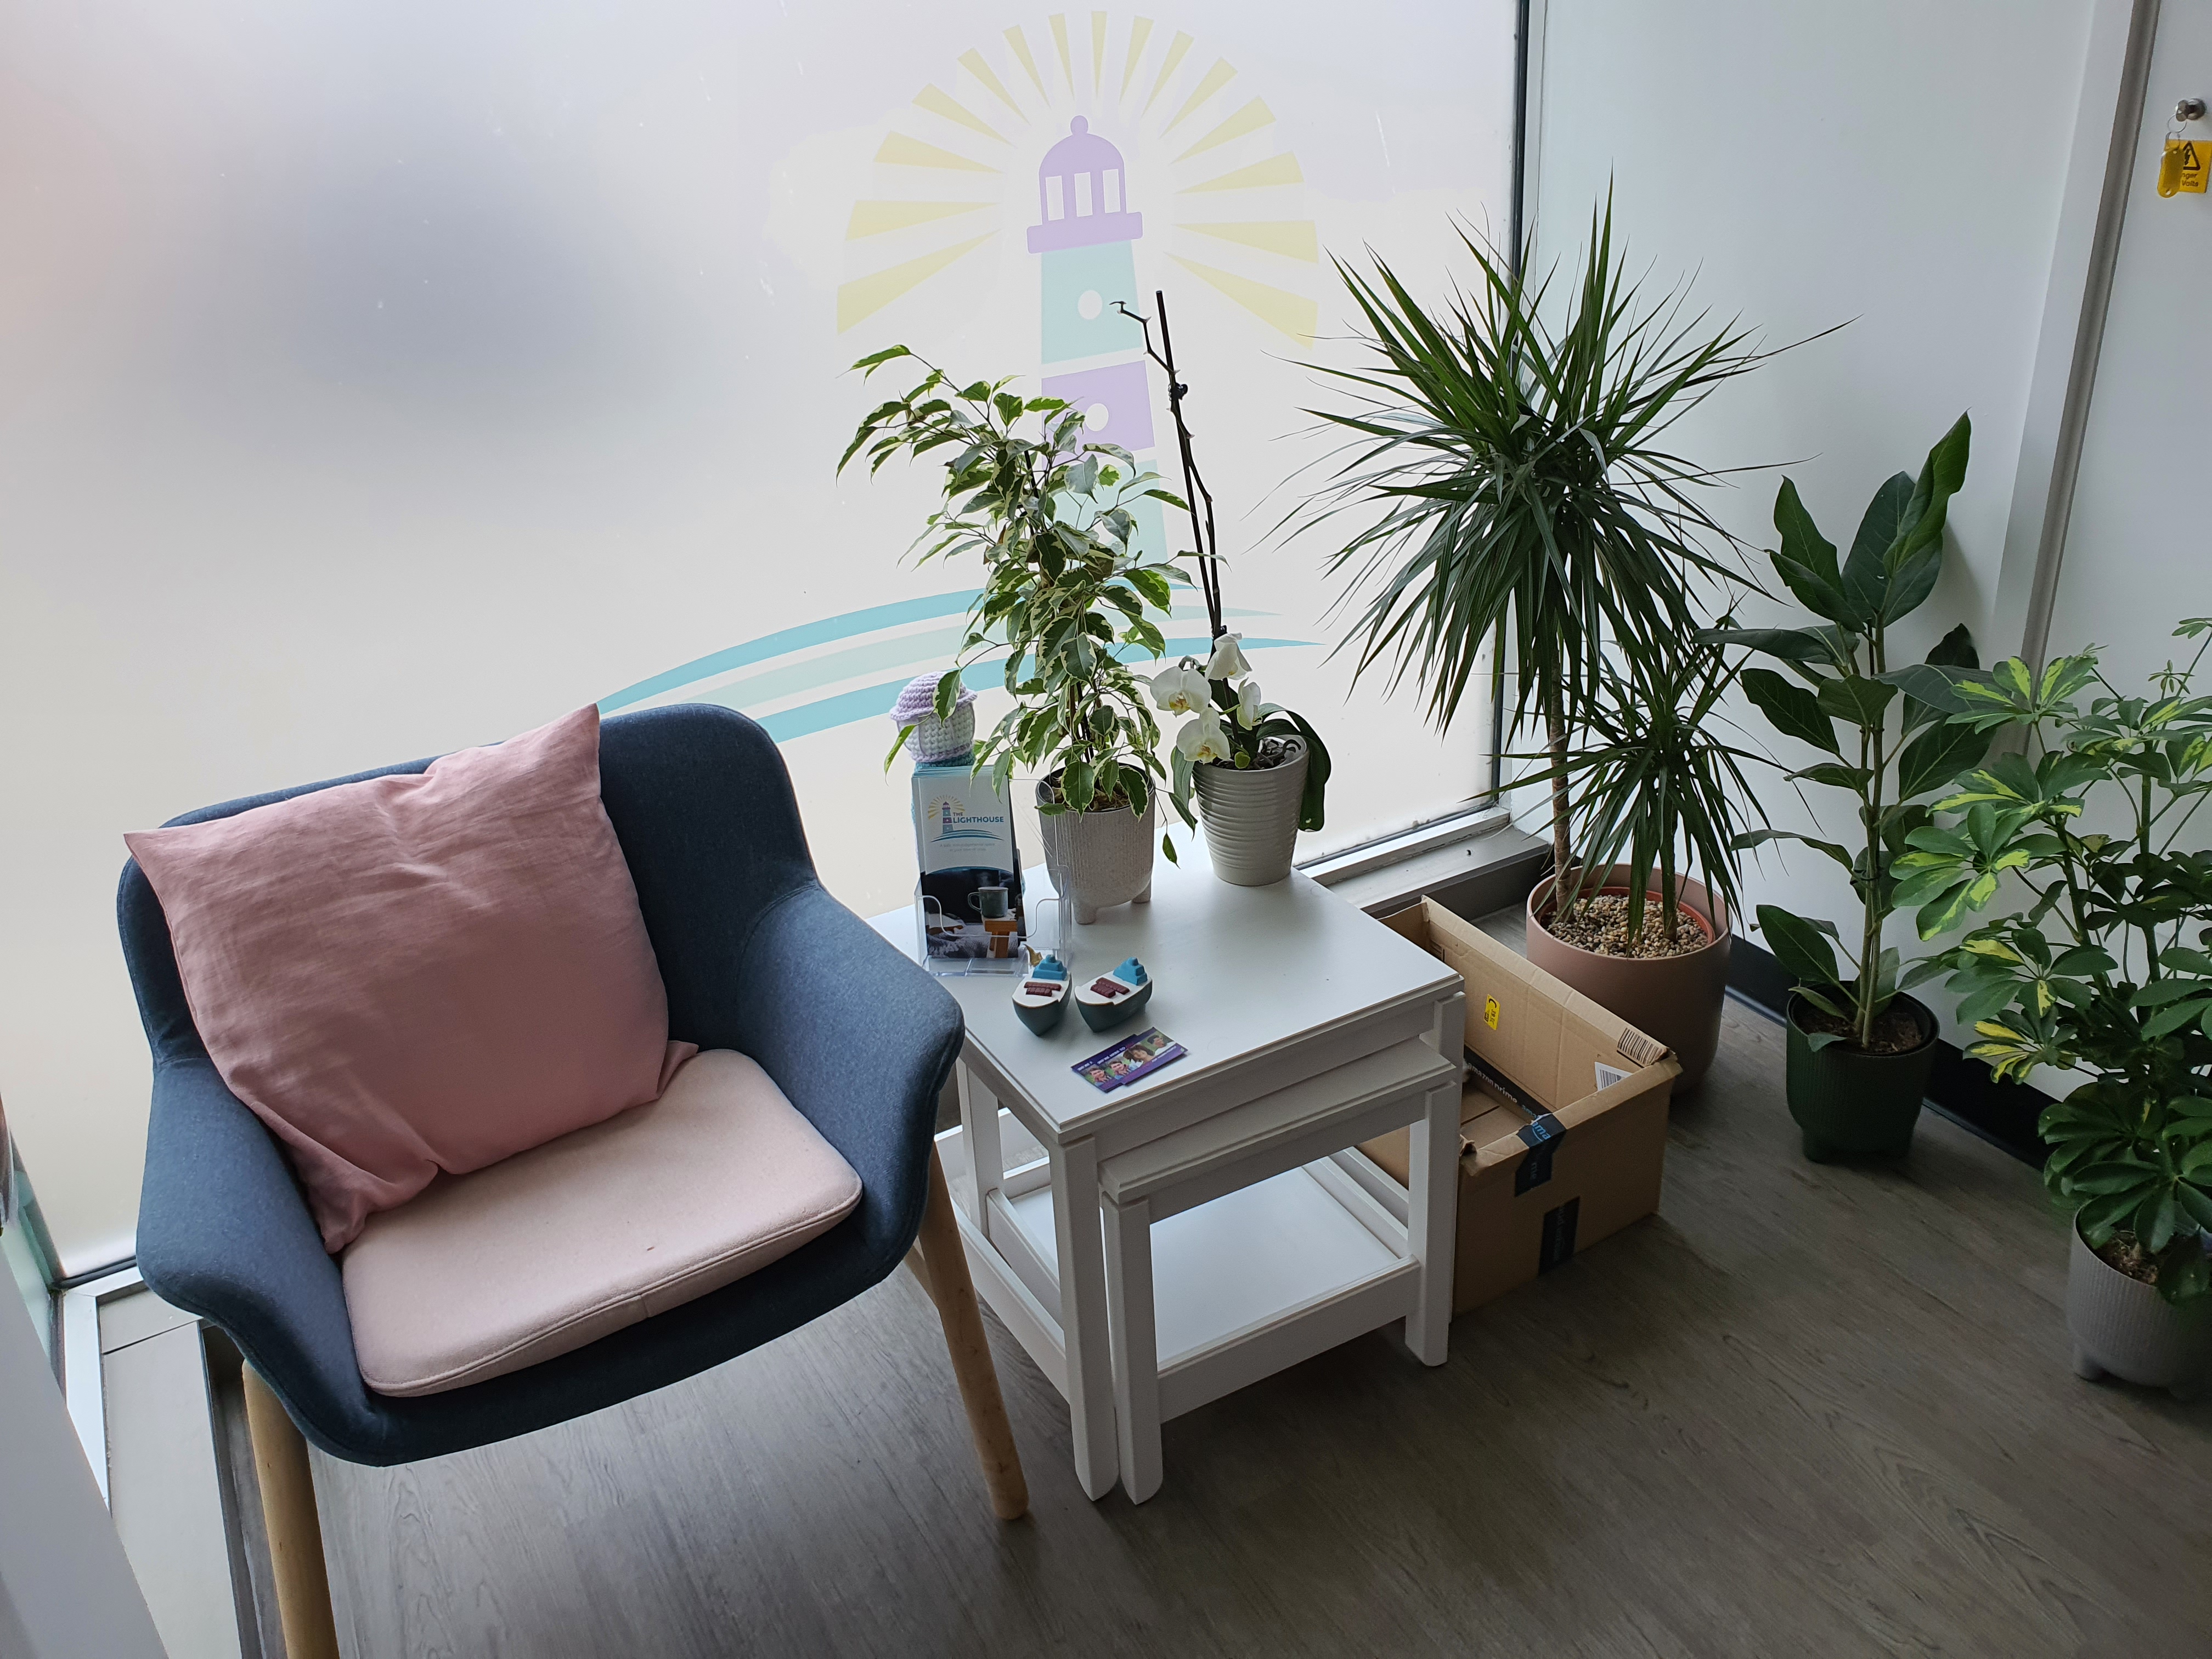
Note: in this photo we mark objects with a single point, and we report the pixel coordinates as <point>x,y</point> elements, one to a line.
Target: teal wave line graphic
<point>873,701</point>
<point>864,702</point>
<point>823,632</point>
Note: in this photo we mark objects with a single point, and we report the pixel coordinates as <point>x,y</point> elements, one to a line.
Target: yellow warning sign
<point>2185,168</point>
<point>1490,1013</point>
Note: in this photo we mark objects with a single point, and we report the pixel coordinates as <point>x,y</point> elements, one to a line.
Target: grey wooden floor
<point>1803,1410</point>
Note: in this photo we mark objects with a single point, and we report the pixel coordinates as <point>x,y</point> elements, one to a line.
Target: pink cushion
<point>484,1274</point>
<point>422,972</point>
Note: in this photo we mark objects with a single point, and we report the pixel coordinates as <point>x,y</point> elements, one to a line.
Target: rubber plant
<point>1067,595</point>
<point>1885,744</point>
<point>2123,990</point>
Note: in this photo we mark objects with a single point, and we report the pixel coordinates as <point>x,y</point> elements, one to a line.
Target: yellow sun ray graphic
<point>1059,40</point>
<point>1209,191</point>
<point>1018,44</point>
<point>1168,65</point>
<point>938,101</point>
<point>1215,78</point>
<point>1139,32</point>
<point>973,63</point>
<point>1253,116</point>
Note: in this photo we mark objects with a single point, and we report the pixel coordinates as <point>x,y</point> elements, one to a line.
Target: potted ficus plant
<point>1259,772</point>
<point>2122,994</point>
<point>1066,593</point>
<point>1859,1050</point>
<point>1514,440</point>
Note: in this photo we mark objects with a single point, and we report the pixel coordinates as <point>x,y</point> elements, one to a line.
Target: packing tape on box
<point>1541,1137</point>
<point>1541,1134</point>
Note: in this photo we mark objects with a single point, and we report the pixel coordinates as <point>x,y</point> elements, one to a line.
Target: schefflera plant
<point>2107,970</point>
<point>1066,589</point>
<point>1888,746</point>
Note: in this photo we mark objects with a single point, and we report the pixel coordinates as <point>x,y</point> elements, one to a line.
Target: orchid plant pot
<point>1850,1103</point>
<point>1097,859</point>
<point>1675,999</point>
<point>1250,817</point>
<point>2123,1327</point>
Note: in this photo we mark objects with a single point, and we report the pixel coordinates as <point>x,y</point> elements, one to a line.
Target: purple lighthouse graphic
<point>1093,355</point>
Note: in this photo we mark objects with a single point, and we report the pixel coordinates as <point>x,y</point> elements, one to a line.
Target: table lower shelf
<point>1256,1279</point>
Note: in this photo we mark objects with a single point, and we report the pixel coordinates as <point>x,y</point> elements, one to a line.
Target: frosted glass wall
<point>376,380</point>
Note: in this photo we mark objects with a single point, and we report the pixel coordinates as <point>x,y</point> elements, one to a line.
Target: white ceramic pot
<point>1251,817</point>
<point>2121,1326</point>
<point>1098,859</point>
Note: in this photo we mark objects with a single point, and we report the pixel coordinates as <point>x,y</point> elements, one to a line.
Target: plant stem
<point>1555,733</point>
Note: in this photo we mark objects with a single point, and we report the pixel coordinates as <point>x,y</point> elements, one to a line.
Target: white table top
<point>1237,971</point>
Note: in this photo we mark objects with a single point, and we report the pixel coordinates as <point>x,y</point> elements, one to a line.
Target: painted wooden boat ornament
<point>1112,998</point>
<point>1041,999</point>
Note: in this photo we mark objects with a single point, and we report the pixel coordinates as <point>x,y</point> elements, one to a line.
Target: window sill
<point>1471,865</point>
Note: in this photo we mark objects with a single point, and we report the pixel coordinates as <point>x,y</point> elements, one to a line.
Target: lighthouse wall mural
<point>1042,176</point>
<point>380,377</point>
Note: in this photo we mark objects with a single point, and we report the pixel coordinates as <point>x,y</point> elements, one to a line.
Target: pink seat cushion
<point>482,1274</point>
<point>423,972</point>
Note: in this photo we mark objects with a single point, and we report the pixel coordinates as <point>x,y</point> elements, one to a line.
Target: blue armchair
<point>757,957</point>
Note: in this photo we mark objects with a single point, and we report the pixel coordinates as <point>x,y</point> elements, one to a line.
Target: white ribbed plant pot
<point>1251,817</point>
<point>1098,859</point>
<point>2122,1326</point>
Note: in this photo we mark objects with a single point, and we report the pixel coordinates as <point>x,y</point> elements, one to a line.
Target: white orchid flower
<point>1227,661</point>
<point>1180,690</point>
<point>1248,704</point>
<point>1203,739</point>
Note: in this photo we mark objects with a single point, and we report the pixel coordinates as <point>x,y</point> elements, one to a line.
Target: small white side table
<point>1212,1223</point>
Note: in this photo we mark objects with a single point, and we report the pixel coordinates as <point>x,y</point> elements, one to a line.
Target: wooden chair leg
<point>295,1533</point>
<point>944,1276</point>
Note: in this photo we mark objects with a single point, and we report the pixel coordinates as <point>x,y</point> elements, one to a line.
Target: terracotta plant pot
<point>2123,1327</point>
<point>1098,859</point>
<point>1251,817</point>
<point>1676,1000</point>
<point>1850,1103</point>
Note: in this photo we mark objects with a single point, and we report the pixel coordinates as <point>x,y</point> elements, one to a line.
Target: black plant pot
<point>1850,1103</point>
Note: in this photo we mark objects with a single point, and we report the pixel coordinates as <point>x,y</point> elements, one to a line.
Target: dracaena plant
<point>1657,787</point>
<point>1515,438</point>
<point>2107,968</point>
<point>1885,744</point>
<point>1066,591</point>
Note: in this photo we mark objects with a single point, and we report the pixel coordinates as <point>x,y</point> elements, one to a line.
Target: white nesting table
<point>1212,1223</point>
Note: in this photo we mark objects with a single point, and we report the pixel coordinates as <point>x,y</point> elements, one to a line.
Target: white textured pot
<point>1251,817</point>
<point>1098,859</point>
<point>2122,1326</point>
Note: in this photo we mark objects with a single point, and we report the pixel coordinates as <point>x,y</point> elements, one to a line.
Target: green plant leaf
<point>1760,837</point>
<point>1791,644</point>
<point>1955,650</point>
<point>1861,701</point>
<point>1937,756</point>
<point>1799,946</point>
<point>1866,572</point>
<point>1806,560</point>
<point>1838,775</point>
<point>1791,709</point>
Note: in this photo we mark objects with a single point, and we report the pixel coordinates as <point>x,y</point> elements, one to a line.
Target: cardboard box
<point>1563,1127</point>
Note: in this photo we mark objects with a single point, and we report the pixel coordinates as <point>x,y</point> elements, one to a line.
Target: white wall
<point>2135,558</point>
<point>1891,164</point>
